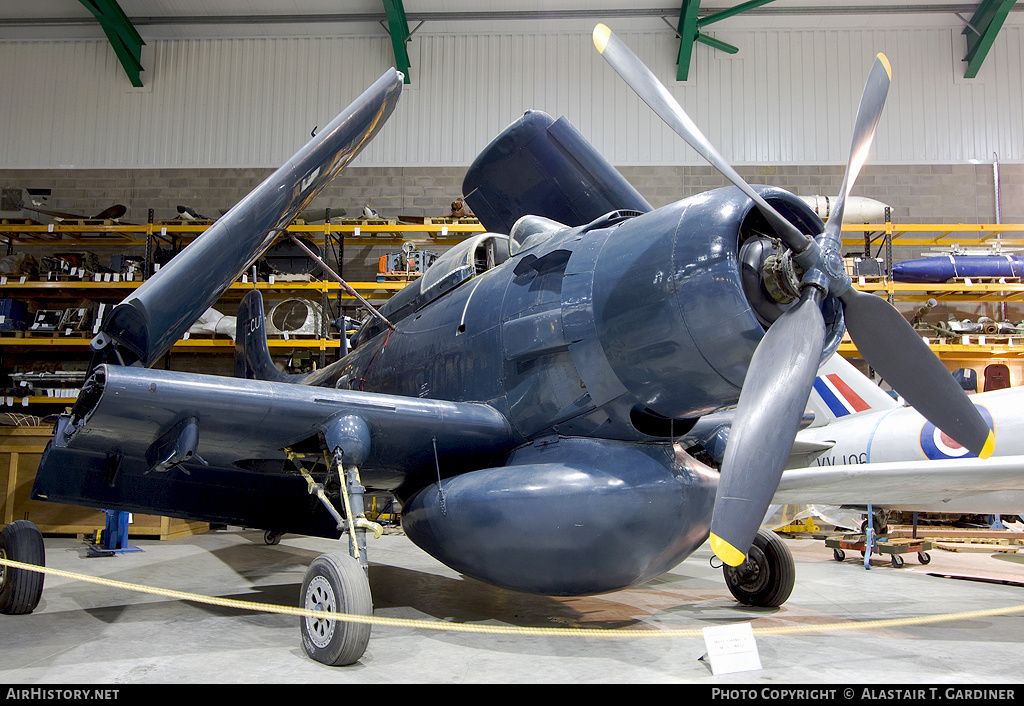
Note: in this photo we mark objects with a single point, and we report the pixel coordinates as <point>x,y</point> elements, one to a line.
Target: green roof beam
<point>687,29</point>
<point>398,28</point>
<point>124,39</point>
<point>982,31</point>
<point>717,44</point>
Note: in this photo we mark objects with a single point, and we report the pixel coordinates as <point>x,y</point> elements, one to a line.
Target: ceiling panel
<point>27,19</point>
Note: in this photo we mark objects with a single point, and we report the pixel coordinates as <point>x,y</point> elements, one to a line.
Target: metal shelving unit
<point>65,235</point>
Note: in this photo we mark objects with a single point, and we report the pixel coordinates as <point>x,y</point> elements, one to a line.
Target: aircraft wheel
<point>924,557</point>
<point>20,589</point>
<point>767,576</point>
<point>879,523</point>
<point>335,583</point>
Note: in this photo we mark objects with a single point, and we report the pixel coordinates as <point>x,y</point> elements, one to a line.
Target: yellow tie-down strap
<point>621,633</point>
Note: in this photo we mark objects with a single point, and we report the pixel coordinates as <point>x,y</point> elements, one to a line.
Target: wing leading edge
<point>216,449</point>
<point>969,485</point>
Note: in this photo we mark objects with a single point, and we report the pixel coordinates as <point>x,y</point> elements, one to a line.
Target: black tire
<point>271,538</point>
<point>21,589</point>
<point>767,577</point>
<point>879,525</point>
<point>838,554</point>
<point>924,557</point>
<point>897,561</point>
<point>335,583</point>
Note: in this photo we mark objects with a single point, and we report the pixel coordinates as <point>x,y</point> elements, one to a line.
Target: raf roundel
<point>938,446</point>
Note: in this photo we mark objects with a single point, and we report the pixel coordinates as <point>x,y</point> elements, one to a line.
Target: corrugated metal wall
<point>788,96</point>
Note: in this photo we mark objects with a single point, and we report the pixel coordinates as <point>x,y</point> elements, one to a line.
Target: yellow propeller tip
<point>601,36</point>
<point>725,551</point>
<point>885,64</point>
<point>989,447</point>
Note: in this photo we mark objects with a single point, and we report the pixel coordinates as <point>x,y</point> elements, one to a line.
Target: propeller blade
<point>646,85</point>
<point>876,88</point>
<point>769,412</point>
<point>903,359</point>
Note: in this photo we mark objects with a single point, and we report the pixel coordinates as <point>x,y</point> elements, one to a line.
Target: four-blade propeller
<point>783,368</point>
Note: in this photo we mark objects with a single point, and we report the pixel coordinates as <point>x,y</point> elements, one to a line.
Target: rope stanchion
<point>618,633</point>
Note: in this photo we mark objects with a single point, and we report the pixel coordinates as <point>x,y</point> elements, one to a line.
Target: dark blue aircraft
<point>523,398</point>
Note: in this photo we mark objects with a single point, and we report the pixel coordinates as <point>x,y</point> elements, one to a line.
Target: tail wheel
<point>21,589</point>
<point>335,583</point>
<point>767,576</point>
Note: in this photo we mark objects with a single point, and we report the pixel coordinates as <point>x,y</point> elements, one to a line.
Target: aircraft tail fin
<point>841,390</point>
<point>252,355</point>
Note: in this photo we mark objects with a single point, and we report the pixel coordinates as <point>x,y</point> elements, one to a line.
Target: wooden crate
<point>20,451</point>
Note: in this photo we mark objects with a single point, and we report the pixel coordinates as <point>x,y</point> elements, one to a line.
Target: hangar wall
<point>789,96</point>
<point>216,115</point>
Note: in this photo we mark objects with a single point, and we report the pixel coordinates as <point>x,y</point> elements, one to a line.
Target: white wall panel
<point>788,96</point>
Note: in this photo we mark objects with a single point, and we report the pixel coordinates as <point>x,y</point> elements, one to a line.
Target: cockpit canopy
<point>459,264</point>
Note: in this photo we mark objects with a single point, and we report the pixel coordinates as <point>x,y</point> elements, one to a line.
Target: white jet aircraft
<point>864,448</point>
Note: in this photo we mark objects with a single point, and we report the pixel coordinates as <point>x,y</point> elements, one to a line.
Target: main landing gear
<point>338,582</point>
<point>21,589</point>
<point>767,576</point>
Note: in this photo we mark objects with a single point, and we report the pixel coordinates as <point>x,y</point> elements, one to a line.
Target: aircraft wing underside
<point>969,485</point>
<point>214,448</point>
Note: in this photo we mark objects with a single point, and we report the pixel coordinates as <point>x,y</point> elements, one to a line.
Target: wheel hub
<point>320,597</point>
<point>752,575</point>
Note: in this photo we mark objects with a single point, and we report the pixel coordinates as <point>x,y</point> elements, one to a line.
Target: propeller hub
<point>832,263</point>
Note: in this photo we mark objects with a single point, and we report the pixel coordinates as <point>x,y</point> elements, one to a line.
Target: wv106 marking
<point>861,457</point>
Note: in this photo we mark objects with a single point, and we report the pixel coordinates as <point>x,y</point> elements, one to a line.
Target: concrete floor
<point>88,634</point>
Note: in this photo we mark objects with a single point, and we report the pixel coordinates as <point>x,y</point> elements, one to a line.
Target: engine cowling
<point>676,319</point>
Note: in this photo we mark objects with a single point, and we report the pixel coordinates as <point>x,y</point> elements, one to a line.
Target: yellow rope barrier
<point>508,629</point>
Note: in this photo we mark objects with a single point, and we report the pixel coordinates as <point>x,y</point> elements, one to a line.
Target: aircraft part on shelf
<point>409,260</point>
<point>13,315</point>
<point>295,317</point>
<point>111,213</point>
<point>983,326</point>
<point>45,383</point>
<point>287,258</point>
<point>858,209</point>
<point>214,322</point>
